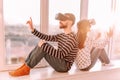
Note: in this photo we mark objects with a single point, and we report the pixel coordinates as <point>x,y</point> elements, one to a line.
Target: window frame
<point>44,18</point>
<point>43,28</point>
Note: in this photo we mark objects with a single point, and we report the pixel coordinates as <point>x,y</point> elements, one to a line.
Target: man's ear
<point>70,22</point>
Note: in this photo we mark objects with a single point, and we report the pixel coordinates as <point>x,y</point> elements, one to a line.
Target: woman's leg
<point>104,57</point>
<point>95,53</point>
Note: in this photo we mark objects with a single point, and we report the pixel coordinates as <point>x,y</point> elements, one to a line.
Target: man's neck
<point>67,30</point>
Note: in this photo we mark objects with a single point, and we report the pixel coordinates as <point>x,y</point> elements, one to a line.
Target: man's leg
<point>32,60</point>
<point>35,57</point>
<point>37,54</point>
<point>58,64</point>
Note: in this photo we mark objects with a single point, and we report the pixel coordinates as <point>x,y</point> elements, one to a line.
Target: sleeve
<point>101,43</point>
<point>44,36</point>
<point>52,51</point>
<point>67,47</point>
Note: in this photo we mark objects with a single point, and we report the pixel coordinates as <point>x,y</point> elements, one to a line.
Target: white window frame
<point>44,18</point>
<point>43,28</point>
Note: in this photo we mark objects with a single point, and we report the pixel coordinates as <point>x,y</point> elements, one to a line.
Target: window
<point>100,13</point>
<point>115,51</point>
<point>18,39</point>
<point>62,6</point>
<point>107,15</point>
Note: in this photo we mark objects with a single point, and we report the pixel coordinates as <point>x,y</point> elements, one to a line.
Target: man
<point>60,59</point>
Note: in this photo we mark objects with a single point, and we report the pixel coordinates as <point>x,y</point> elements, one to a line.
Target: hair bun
<point>92,21</point>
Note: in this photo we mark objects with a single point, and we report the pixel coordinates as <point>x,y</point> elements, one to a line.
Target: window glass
<point>107,15</point>
<point>101,14</point>
<point>62,6</point>
<point>116,23</point>
<point>18,39</point>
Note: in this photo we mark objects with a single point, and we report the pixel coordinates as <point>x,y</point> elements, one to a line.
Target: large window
<point>100,13</point>
<point>107,15</point>
<point>62,6</point>
<point>18,39</point>
<point>116,22</point>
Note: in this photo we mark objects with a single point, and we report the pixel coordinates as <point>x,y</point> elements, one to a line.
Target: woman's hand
<point>30,23</point>
<point>98,36</point>
<point>110,33</point>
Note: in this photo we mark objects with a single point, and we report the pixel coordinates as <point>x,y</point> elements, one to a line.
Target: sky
<point>19,11</point>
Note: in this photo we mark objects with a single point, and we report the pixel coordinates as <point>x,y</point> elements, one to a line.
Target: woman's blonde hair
<point>83,26</point>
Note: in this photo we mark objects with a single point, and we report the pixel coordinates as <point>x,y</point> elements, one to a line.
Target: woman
<point>91,46</point>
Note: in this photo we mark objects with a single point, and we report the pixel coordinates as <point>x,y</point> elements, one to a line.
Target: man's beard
<point>62,26</point>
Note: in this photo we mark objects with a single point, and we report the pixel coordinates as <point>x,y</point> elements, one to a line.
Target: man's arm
<point>52,51</point>
<point>39,34</point>
<point>60,52</point>
<point>44,36</point>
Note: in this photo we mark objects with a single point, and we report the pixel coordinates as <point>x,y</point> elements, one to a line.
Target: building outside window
<point>18,39</point>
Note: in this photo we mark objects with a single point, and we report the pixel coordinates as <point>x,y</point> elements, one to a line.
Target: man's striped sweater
<point>67,46</point>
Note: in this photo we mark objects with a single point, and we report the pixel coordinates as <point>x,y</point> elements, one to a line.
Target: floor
<point>98,72</point>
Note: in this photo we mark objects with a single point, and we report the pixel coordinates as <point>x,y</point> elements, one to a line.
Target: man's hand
<point>30,23</point>
<point>41,42</point>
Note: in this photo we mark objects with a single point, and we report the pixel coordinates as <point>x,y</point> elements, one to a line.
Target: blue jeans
<point>37,54</point>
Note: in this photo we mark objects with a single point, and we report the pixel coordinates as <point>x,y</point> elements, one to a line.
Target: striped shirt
<point>67,46</point>
<point>83,58</point>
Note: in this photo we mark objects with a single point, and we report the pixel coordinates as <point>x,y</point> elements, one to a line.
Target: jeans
<point>37,54</point>
<point>96,54</point>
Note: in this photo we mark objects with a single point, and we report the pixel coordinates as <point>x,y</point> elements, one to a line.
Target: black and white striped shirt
<point>67,46</point>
